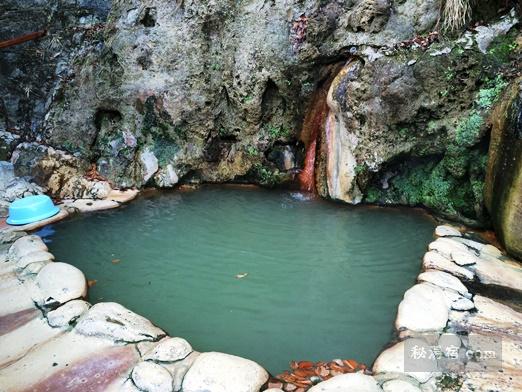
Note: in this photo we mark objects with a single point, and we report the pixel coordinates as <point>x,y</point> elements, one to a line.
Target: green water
<point>324,279</point>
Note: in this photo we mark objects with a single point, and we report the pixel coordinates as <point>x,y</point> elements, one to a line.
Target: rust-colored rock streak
<point>12,321</point>
<point>312,129</point>
<point>93,374</point>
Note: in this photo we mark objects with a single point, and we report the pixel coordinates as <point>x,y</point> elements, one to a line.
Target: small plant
<point>360,169</point>
<point>489,95</point>
<point>266,176</point>
<point>468,130</point>
<point>449,382</point>
<point>278,132</point>
<point>252,150</point>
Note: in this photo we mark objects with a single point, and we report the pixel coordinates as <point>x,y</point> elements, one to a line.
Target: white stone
<point>463,258</point>
<point>218,372</point>
<point>492,315</point>
<point>273,390</point>
<point>151,377</point>
<point>67,313</point>
<point>36,225</point>
<point>399,386</point>
<point>504,273</point>
<point>169,350</point>
<point>167,177</point>
<point>32,269</point>
<point>178,369</point>
<point>90,205</point>
<point>348,382</point>
<point>392,360</point>
<point>486,34</point>
<point>115,322</point>
<point>447,231</point>
<point>98,190</point>
<point>60,282</point>
<point>434,260</point>
<point>34,257</point>
<point>149,164</point>
<point>24,246</point>
<point>424,308</point>
<point>445,246</point>
<point>477,246</point>
<point>120,196</point>
<point>443,280</point>
<point>462,304</point>
<point>491,251</point>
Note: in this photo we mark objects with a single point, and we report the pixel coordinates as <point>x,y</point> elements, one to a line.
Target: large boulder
<point>503,192</point>
<point>218,372</point>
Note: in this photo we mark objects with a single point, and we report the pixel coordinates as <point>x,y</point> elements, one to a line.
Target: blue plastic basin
<point>31,209</point>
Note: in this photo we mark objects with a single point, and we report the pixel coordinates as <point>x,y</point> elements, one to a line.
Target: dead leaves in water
<point>91,282</point>
<point>115,261</point>
<point>242,275</point>
<point>305,374</point>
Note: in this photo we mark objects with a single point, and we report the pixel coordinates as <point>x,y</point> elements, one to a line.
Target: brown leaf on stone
<point>304,372</point>
<point>351,363</point>
<point>305,364</point>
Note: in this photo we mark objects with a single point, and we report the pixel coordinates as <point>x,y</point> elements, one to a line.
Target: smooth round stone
<point>219,372</point>
<point>60,282</point>
<point>169,350</point>
<point>151,377</point>
<point>445,246</point>
<point>399,386</point>
<point>434,260</point>
<point>348,382</point>
<point>491,250</point>
<point>67,313</point>
<point>444,280</point>
<point>34,257</point>
<point>423,309</point>
<point>26,245</point>
<point>393,359</point>
<point>462,304</point>
<point>463,258</point>
<point>447,231</point>
<point>114,321</point>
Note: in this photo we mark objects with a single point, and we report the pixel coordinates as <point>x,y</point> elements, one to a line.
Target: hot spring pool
<point>251,272</point>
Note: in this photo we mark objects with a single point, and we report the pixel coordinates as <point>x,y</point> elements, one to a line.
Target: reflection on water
<point>323,280</point>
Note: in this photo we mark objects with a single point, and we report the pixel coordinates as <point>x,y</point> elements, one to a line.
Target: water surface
<point>323,279</point>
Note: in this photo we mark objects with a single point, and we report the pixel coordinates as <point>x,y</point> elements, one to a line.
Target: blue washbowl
<point>31,209</point>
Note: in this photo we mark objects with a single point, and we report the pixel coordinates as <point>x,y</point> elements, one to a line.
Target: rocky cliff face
<point>163,92</point>
<point>504,176</point>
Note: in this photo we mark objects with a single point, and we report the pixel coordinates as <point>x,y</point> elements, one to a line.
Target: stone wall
<point>162,92</point>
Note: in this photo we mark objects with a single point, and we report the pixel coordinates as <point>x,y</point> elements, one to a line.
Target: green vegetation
<point>490,94</point>
<point>266,176</point>
<point>468,130</point>
<point>503,48</point>
<point>252,150</point>
<point>278,132</point>
<point>448,382</point>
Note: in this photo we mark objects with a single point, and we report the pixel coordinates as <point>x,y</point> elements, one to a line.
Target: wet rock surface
<point>181,92</point>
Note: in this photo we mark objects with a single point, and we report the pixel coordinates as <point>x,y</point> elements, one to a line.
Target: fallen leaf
<point>115,261</point>
<point>91,282</point>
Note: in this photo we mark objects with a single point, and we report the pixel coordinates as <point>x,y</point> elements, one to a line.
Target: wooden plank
<point>21,39</point>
